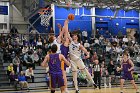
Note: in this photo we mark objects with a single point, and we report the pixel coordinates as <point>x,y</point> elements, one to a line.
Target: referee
<point>97,73</point>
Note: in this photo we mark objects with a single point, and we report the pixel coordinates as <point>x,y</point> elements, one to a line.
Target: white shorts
<point>77,64</point>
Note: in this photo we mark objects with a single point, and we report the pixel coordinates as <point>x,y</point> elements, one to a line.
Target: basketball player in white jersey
<point>75,49</point>
<point>56,40</point>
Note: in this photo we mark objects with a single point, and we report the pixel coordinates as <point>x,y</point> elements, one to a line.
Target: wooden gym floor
<point>103,90</point>
<point>128,89</point>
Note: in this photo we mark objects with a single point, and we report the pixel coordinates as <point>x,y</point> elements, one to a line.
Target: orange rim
<point>43,10</point>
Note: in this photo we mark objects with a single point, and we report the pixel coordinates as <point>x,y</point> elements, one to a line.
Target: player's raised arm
<point>44,63</point>
<point>59,38</point>
<point>85,51</point>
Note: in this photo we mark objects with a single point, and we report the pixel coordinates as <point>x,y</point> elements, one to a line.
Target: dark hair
<point>75,33</point>
<point>54,48</point>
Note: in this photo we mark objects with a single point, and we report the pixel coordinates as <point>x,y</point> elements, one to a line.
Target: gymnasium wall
<point>4,17</point>
<point>115,25</point>
<point>84,23</point>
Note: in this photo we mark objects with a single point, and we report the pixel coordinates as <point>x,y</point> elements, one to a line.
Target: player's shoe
<point>109,85</point>
<point>77,91</point>
<point>105,85</point>
<point>95,86</point>
<point>66,91</point>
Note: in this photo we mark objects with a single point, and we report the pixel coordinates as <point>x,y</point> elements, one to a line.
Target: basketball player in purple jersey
<point>65,50</point>
<point>127,67</point>
<point>54,62</point>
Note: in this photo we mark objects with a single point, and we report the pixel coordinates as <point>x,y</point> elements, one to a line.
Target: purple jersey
<point>64,50</point>
<point>54,64</point>
<point>126,74</point>
<point>126,66</point>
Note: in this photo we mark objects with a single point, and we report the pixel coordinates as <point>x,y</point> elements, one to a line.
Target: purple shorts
<point>127,76</point>
<point>56,78</point>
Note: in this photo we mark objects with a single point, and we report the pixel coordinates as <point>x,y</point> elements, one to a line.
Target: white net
<point>45,19</point>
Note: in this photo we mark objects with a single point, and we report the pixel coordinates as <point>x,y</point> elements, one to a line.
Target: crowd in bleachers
<point>30,49</point>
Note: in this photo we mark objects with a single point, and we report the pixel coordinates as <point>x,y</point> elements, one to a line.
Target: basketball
<point>71,16</point>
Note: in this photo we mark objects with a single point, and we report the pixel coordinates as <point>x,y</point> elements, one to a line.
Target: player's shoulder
<point>61,55</point>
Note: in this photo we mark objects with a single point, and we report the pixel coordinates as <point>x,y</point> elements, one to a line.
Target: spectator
<point>84,34</point>
<point>7,56</point>
<point>10,69</point>
<point>94,57</point>
<point>119,49</point>
<point>18,68</point>
<point>104,73</point>
<point>25,49</point>
<point>34,43</point>
<point>22,81</point>
<point>110,69</point>
<point>35,57</point>
<point>125,40</point>
<point>39,43</point>
<point>96,41</point>
<point>29,73</point>
<point>13,79</point>
<point>136,35</point>
<point>101,31</point>
<point>40,54</point>
<point>28,60</point>
<point>16,61</point>
<point>86,44</point>
<point>1,54</point>
<point>91,39</point>
<point>101,38</point>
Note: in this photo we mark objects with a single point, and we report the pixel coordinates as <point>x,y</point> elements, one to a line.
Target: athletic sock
<point>75,80</point>
<point>88,76</point>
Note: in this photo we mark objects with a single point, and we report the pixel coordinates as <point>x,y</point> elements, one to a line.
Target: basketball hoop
<point>45,15</point>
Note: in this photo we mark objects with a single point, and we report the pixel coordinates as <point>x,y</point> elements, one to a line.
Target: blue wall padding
<point>110,24</point>
<point>84,23</point>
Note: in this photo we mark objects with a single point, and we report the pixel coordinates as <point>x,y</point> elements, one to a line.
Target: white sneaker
<point>105,85</point>
<point>110,85</point>
<point>66,91</point>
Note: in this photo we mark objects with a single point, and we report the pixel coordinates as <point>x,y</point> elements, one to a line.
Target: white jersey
<point>74,50</point>
<point>58,45</point>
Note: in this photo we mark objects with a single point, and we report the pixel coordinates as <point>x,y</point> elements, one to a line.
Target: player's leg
<point>104,79</point>
<point>134,84</point>
<point>53,82</point>
<point>130,77</point>
<point>110,78</point>
<point>74,74</point>
<point>82,67</point>
<point>121,84</point>
<point>65,81</point>
<point>62,89</point>
<point>61,82</point>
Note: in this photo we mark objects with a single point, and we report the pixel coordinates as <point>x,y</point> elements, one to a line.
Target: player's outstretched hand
<point>86,57</point>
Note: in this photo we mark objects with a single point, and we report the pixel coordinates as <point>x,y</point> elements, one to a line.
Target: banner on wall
<point>3,10</point>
